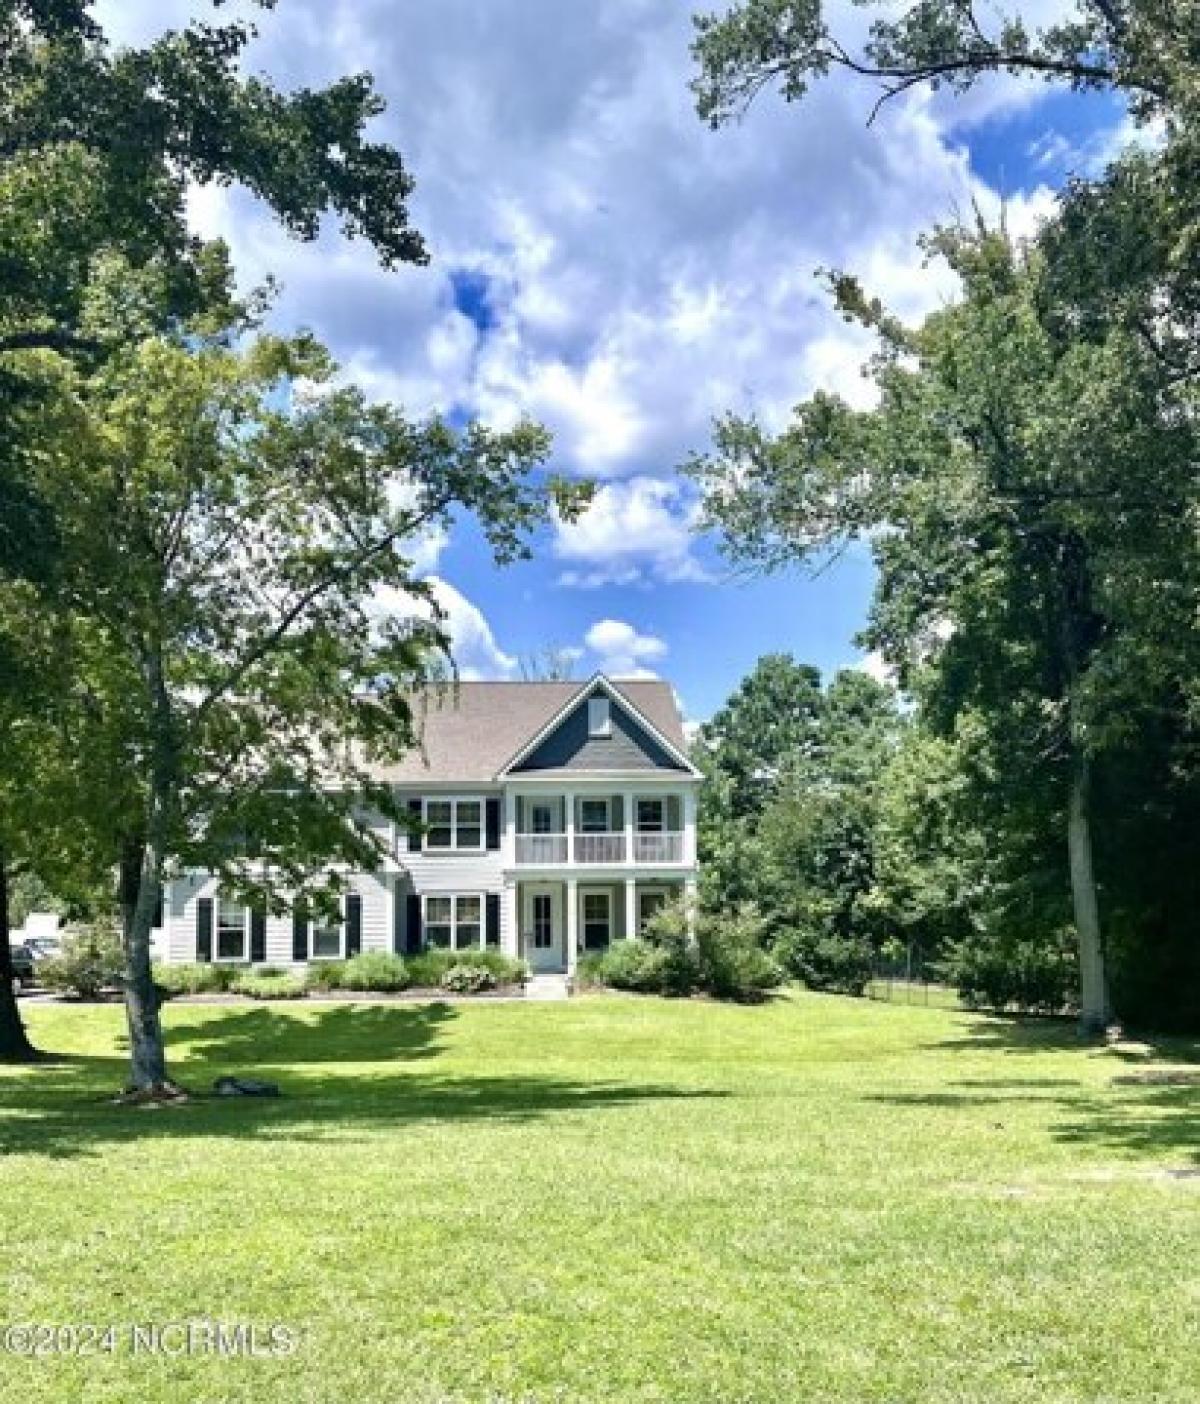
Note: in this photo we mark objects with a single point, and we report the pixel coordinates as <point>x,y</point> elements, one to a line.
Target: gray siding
<point>570,748</point>
<point>377,918</point>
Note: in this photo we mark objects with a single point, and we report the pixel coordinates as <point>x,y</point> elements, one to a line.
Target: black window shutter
<point>299,934</point>
<point>493,823</point>
<point>158,907</point>
<point>414,834</point>
<point>258,934</point>
<point>204,923</point>
<point>413,925</point>
<point>353,923</point>
<point>492,924</point>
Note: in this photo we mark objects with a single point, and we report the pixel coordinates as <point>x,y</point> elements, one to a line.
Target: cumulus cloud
<point>632,531</point>
<point>621,651</point>
<point>643,271</point>
<point>472,643</point>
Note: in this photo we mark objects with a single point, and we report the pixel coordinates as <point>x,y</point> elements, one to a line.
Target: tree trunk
<point>1095,1013</point>
<point>140,877</point>
<point>15,1046</point>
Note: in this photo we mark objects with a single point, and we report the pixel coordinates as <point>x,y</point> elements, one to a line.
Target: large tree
<point>1030,498</point>
<point>98,146</point>
<point>247,624</point>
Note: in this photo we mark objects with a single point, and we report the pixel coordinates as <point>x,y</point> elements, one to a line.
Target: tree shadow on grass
<point>1144,1108</point>
<point>65,1109</point>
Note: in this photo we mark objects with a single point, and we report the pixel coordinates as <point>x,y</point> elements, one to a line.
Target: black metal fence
<point>911,978</point>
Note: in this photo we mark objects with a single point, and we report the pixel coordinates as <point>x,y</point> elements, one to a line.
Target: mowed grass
<point>613,1199</point>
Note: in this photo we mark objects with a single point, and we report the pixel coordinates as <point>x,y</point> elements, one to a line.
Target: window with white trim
<point>594,816</point>
<point>233,930</point>
<point>651,901</point>
<point>597,920</point>
<point>454,825</point>
<point>541,817</point>
<point>651,816</point>
<point>599,717</point>
<point>326,939</point>
<point>453,921</point>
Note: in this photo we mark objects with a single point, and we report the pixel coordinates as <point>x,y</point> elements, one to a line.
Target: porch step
<point>548,987</point>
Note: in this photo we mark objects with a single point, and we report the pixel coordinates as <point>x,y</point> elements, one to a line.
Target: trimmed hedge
<point>269,984</point>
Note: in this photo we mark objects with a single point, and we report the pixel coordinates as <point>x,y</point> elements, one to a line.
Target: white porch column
<point>630,908</point>
<point>689,897</point>
<point>572,924</point>
<point>689,825</point>
<point>627,805</point>
<point>510,920</point>
<point>510,828</point>
<point>569,807</point>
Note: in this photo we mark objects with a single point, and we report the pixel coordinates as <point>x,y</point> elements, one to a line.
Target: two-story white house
<point>555,818</point>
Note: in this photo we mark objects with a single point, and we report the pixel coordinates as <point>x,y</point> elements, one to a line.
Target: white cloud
<point>621,651</point>
<point>631,531</point>
<point>473,645</point>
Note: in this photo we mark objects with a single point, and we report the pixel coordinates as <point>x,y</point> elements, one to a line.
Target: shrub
<point>1020,975</point>
<point>638,966</point>
<point>836,964</point>
<point>667,933</point>
<point>269,984</point>
<point>427,968</point>
<point>468,979</point>
<point>205,977</point>
<point>90,962</point>
<point>325,975</point>
<point>732,961</point>
<point>374,970</point>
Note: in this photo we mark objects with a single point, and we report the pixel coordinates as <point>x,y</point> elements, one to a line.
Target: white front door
<point>542,926</point>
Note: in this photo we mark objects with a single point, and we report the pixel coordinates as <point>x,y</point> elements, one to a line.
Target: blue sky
<point>605,264</point>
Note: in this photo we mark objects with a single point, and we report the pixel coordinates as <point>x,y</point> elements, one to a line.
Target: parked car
<point>23,968</point>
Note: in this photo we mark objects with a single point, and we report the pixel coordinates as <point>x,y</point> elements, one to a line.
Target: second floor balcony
<point>600,836</point>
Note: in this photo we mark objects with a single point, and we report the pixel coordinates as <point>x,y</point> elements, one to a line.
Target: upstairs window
<point>599,717</point>
<point>454,824</point>
<point>651,816</point>
<point>593,816</point>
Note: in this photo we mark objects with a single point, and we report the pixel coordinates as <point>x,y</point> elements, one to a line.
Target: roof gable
<point>569,745</point>
<point>471,731</point>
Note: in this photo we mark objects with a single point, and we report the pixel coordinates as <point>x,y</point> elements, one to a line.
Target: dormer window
<point>599,717</point>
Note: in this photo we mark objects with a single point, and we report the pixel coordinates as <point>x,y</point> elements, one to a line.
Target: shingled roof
<point>471,730</point>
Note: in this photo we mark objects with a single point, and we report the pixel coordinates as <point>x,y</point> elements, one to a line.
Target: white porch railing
<point>658,848</point>
<point>541,848</point>
<point>600,848</point>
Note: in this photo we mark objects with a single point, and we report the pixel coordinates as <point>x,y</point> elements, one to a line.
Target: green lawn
<point>613,1199</point>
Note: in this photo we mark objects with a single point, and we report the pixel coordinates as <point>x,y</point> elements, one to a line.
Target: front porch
<point>556,920</point>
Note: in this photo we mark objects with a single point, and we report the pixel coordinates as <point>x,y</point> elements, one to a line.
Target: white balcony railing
<point>658,848</point>
<point>606,848</point>
<point>541,848</point>
<point>600,848</point>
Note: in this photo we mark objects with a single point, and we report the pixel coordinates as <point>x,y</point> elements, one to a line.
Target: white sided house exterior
<point>556,817</point>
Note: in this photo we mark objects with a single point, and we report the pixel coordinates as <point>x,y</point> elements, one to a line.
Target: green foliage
<point>468,979</point>
<point>325,974</point>
<point>371,970</point>
<point>642,968</point>
<point>266,984</point>
<point>938,43</point>
<point>91,961</point>
<point>1028,976</point>
<point>834,964</point>
<point>204,977</point>
<point>428,967</point>
<point>730,958</point>
<point>726,958</point>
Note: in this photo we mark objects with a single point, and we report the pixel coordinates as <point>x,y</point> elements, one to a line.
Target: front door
<point>542,927</point>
